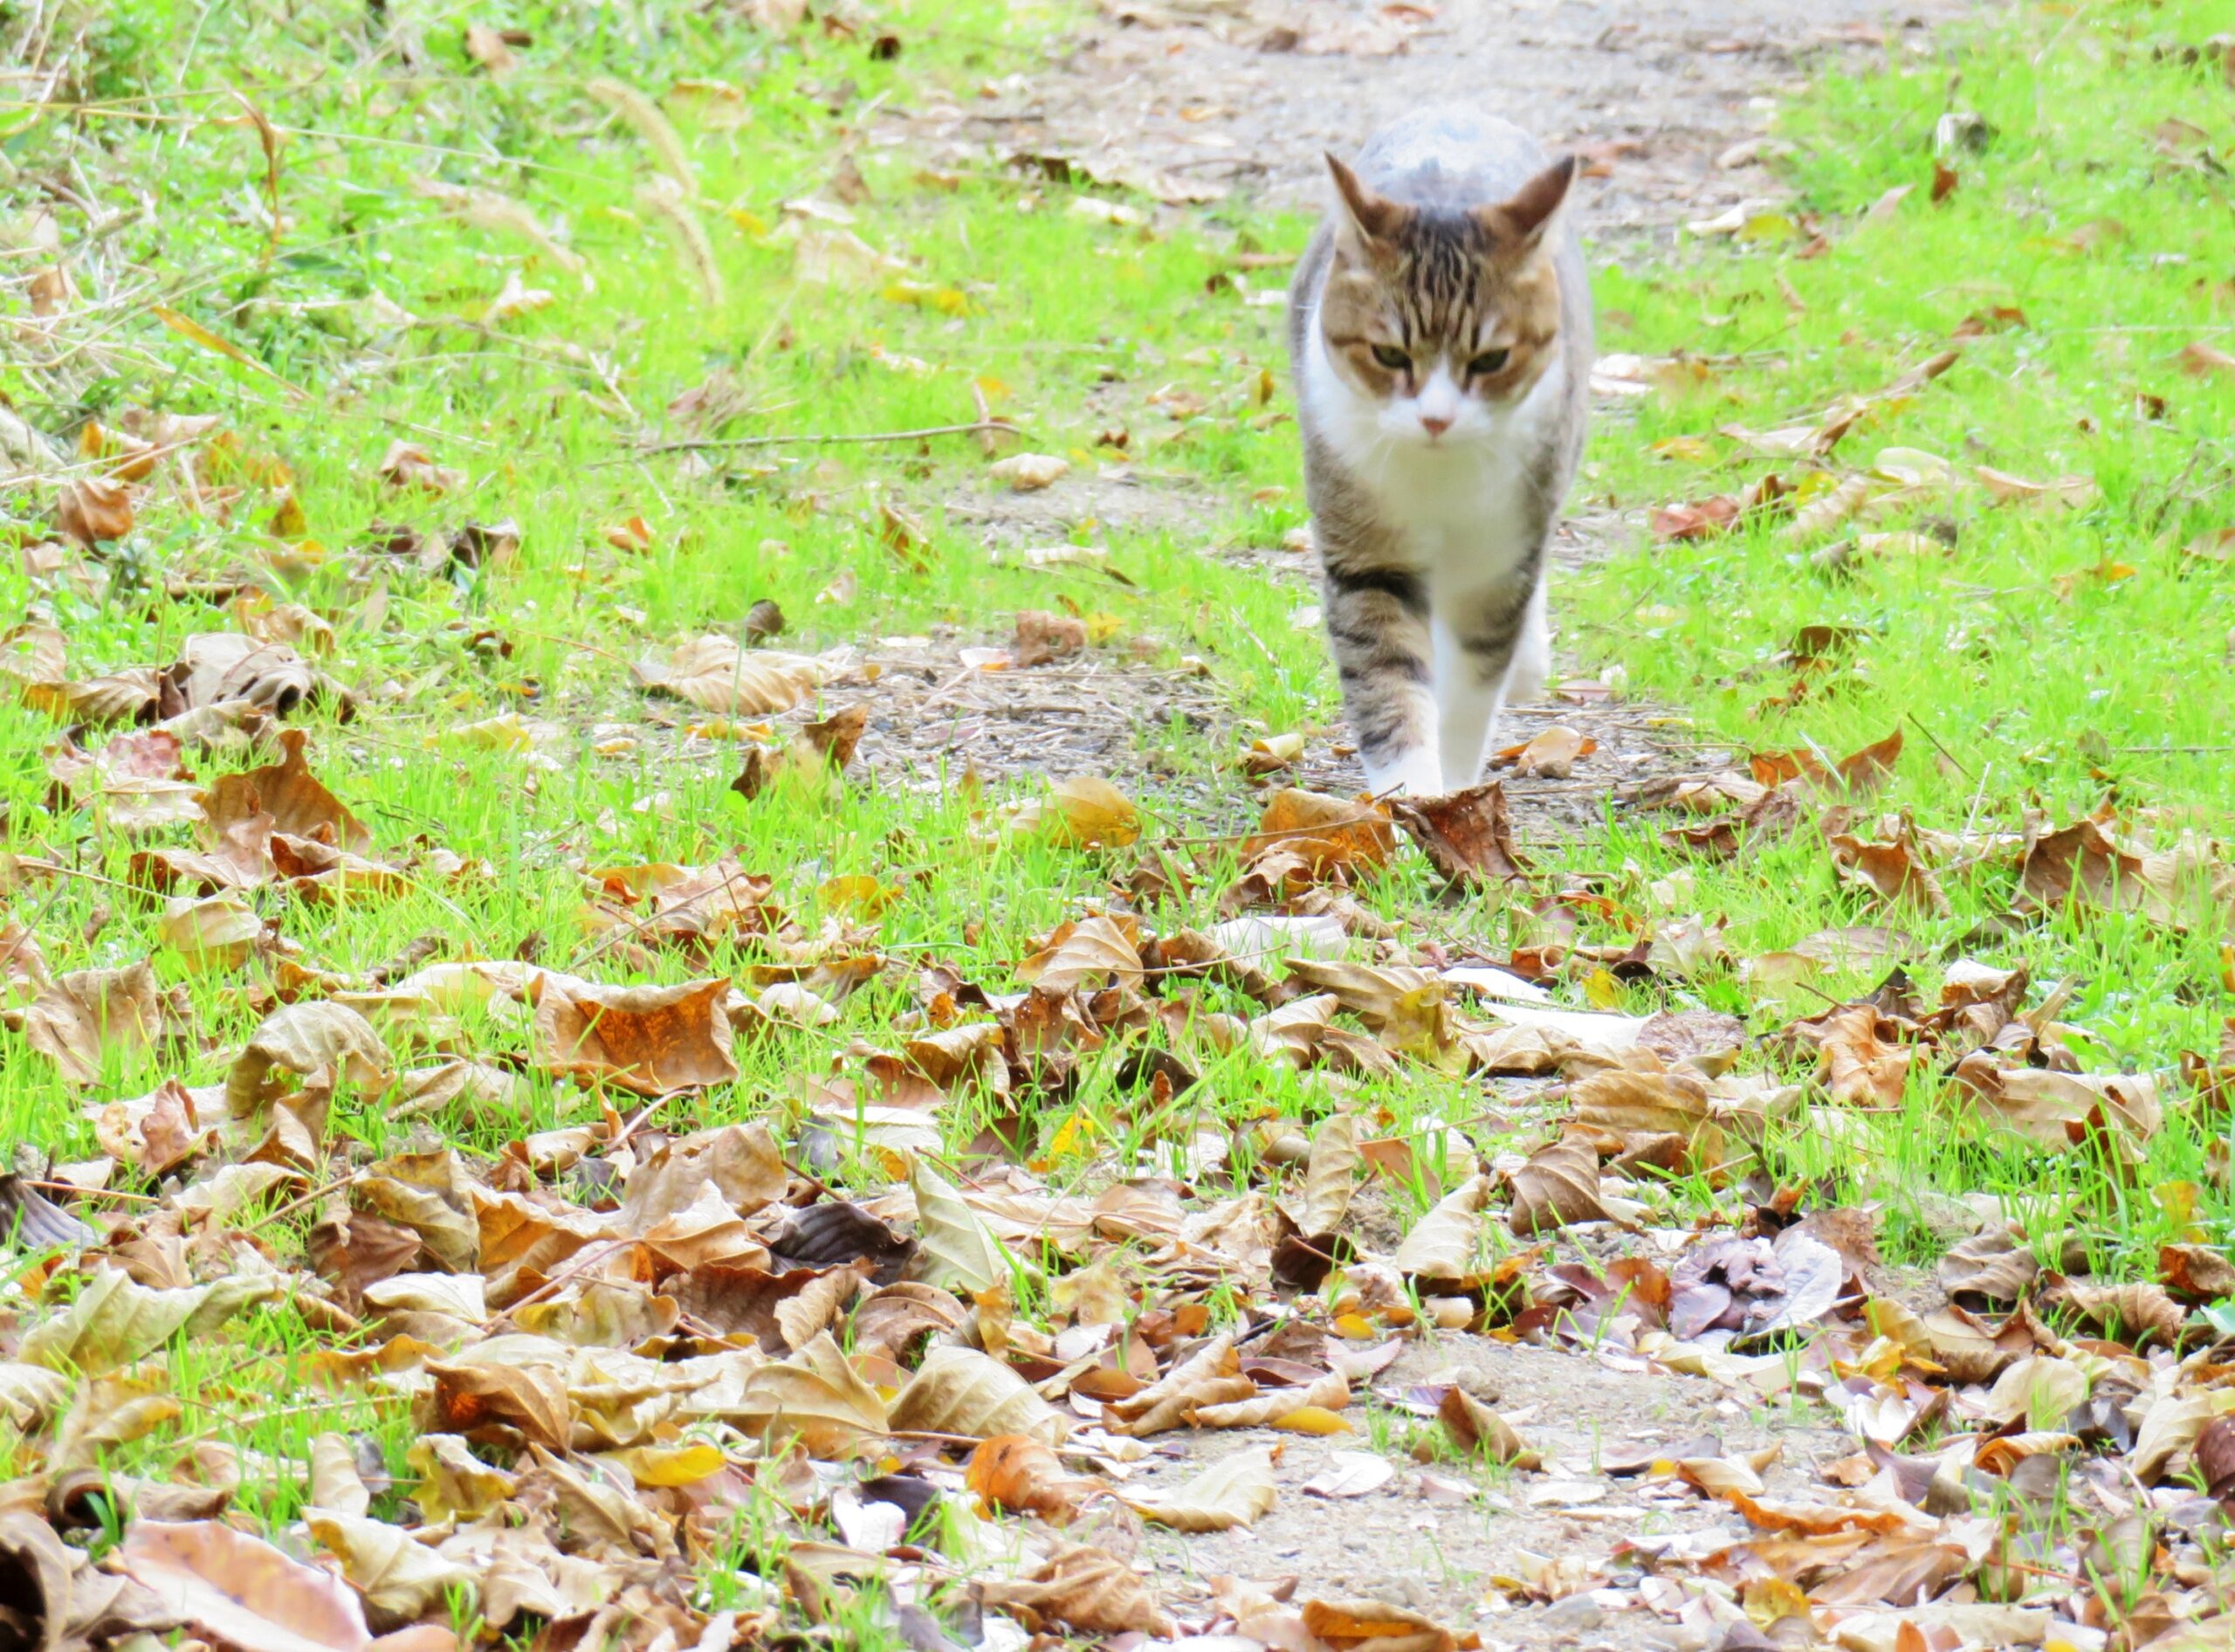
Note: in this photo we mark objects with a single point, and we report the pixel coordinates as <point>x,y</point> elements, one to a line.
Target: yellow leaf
<point>1312,1419</point>
<point>752,223</point>
<point>1355,1327</point>
<point>670,1465</point>
<point>187,328</point>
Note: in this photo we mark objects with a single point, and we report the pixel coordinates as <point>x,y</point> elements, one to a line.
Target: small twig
<point>1937,746</point>
<point>93,1192</point>
<point>976,427</point>
<point>987,443</point>
<point>61,870</point>
<point>310,1197</point>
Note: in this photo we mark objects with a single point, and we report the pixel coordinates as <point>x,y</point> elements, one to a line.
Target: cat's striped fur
<point>1439,330</point>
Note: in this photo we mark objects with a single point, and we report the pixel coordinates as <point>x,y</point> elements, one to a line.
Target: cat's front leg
<point>1377,628</point>
<point>1479,634</point>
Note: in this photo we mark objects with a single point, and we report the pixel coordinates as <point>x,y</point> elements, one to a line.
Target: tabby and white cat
<point>1439,330</point>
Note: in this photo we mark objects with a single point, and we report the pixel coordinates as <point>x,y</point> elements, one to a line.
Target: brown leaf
<point>2140,1313</point>
<point>87,1012</point>
<point>290,794</point>
<point>742,1161</point>
<point>1023,1476</point>
<point>1551,754</point>
<point>1096,951</point>
<point>1465,836</point>
<point>1083,1589</point>
<point>1087,812</point>
<point>652,1040</point>
<point>1987,1270</point>
<point>1858,1065</point>
<point>1329,835</point>
<point>470,1397</point>
<point>2215,1457</point>
<point>406,464</point>
<point>488,49</point>
<point>816,1398</point>
<point>1042,636</point>
<point>319,1044</point>
<point>1233,1491</point>
<point>1444,1244</point>
<point>1210,1376</point>
<point>92,508</point>
<point>1374,1626</point>
<point>1558,1185</point>
<point>1331,1175</point>
<point>1474,1427</point>
<point>716,675</point>
<point>1894,872</point>
<point>834,738</point>
<point>962,1391</point>
<point>239,1592</point>
<point>2196,1273</point>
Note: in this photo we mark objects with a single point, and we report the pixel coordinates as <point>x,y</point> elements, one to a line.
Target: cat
<point>1440,334</point>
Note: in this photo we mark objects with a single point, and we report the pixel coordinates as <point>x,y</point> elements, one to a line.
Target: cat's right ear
<point>1374,217</point>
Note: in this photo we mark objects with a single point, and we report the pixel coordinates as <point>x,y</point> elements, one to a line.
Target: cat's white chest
<point>1470,508</point>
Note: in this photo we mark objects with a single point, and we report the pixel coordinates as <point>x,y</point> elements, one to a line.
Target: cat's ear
<point>1519,223</point>
<point>1374,217</point>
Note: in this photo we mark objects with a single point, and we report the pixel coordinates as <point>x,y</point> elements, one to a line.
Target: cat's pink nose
<point>1433,425</point>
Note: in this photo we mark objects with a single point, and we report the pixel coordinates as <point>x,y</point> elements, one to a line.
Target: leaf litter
<point>617,1343</point>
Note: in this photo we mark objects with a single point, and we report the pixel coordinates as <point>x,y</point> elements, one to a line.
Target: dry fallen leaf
<point>1232,1492</point>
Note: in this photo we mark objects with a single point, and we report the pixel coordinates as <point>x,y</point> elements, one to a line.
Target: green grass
<point>1073,325</point>
<point>2022,681</point>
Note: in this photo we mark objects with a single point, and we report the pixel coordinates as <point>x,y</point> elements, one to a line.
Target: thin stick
<point>93,1192</point>
<point>1937,746</point>
<point>312,1197</point>
<point>976,427</point>
<point>72,872</point>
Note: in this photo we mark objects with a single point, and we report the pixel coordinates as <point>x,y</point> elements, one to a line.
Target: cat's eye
<point>1391,357</point>
<point>1490,361</point>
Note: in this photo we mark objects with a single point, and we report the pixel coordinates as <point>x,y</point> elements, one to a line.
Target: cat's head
<point>1443,316</point>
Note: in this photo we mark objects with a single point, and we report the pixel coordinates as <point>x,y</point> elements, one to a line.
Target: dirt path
<point>1669,103</point>
<point>1235,99</point>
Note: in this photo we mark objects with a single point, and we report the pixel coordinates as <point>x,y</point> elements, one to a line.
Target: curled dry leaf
<point>1027,472</point>
<point>1024,1476</point>
<point>312,1046</point>
<point>297,802</point>
<point>400,1580</point>
<point>1083,1589</point>
<point>1467,836</point>
<point>1445,1244</point>
<point>1329,835</point>
<point>956,1249</point>
<point>1096,951</point>
<point>1331,1175</point>
<point>239,1592</point>
<point>88,1013</point>
<point>1375,1626</point>
<point>1087,812</point>
<point>962,1391</point>
<point>1232,1492</point>
<point>1474,1427</point>
<point>1551,754</point>
<point>715,674</point>
<point>652,1040</point>
<point>1558,1185</point>
<point>218,934</point>
<point>115,1321</point>
<point>816,1398</point>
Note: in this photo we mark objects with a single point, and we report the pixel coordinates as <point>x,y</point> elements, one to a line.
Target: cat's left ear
<point>1518,223</point>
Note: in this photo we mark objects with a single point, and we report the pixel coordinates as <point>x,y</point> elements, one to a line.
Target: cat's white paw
<point>1416,773</point>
